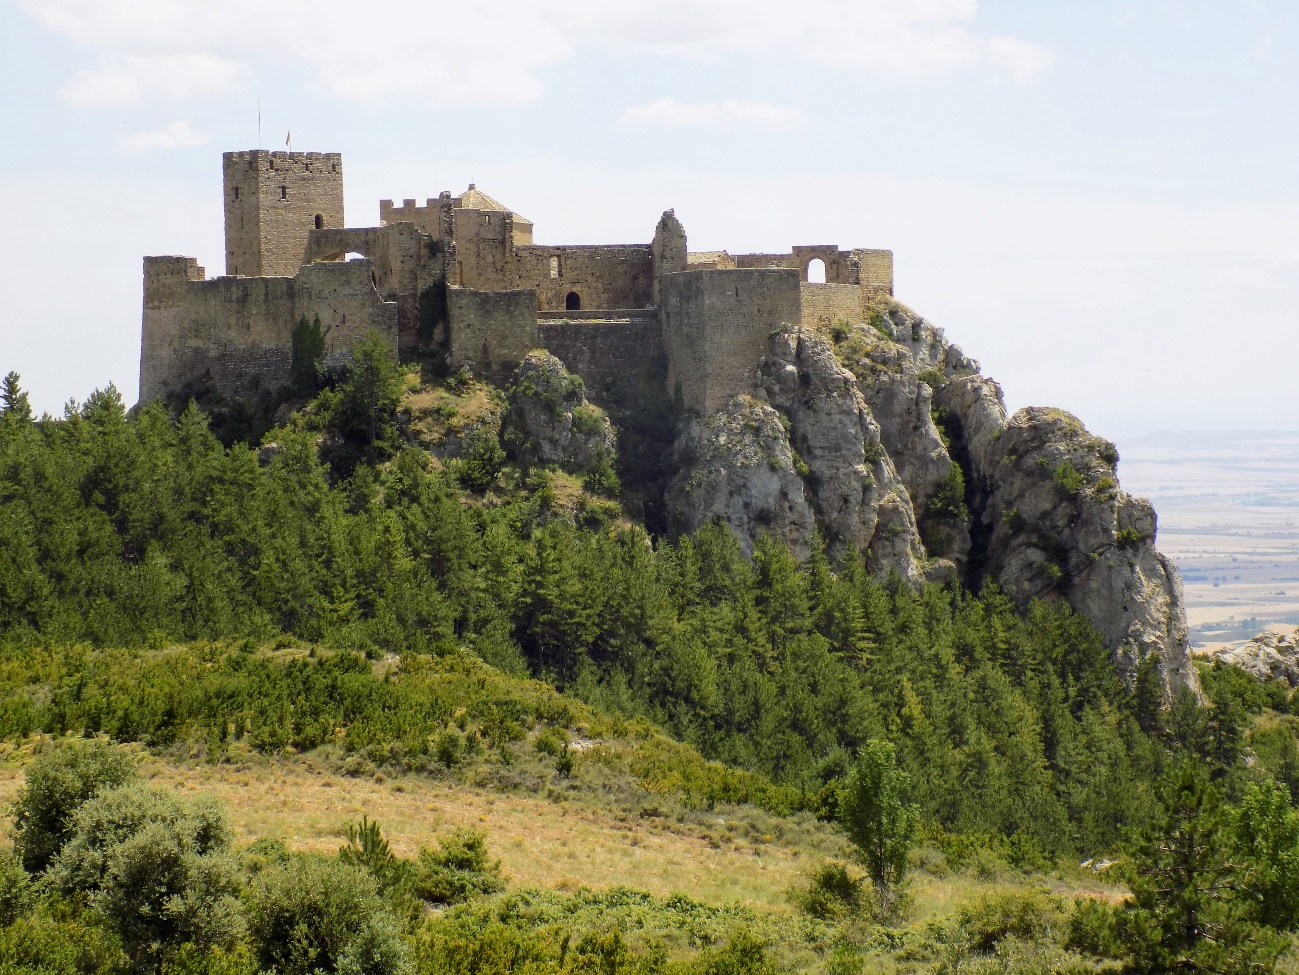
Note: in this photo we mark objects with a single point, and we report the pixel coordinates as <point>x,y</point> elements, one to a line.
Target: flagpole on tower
<point>259,123</point>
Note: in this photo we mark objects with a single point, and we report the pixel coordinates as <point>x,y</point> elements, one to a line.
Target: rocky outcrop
<point>736,465</point>
<point>889,442</point>
<point>1054,522</point>
<point>850,477</point>
<point>1269,656</point>
<point>548,419</point>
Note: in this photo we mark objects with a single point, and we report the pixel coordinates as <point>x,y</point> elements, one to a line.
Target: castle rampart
<point>491,331</point>
<point>461,274</point>
<point>716,324</point>
<point>236,333</point>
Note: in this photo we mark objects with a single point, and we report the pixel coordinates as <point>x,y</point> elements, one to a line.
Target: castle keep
<point>462,273</point>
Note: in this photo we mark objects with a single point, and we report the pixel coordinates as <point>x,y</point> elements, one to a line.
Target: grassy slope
<point>626,817</point>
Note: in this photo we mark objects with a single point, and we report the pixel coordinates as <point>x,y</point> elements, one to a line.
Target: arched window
<point>816,271</point>
<point>320,221</point>
<point>554,267</point>
<point>573,301</point>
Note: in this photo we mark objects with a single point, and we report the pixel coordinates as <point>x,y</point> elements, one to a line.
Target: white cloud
<point>177,135</point>
<point>493,50</point>
<point>171,77</point>
<point>732,111</point>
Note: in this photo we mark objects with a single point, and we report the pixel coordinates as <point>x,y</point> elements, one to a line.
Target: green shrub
<point>599,477</point>
<point>15,889</point>
<point>1127,538</point>
<point>55,943</point>
<point>156,867</point>
<point>839,331</point>
<point>1093,930</point>
<point>948,499</point>
<point>457,870</point>
<point>1068,478</point>
<point>482,460</point>
<point>1022,915</point>
<point>831,894</point>
<point>313,915</point>
<point>552,742</point>
<point>59,780</point>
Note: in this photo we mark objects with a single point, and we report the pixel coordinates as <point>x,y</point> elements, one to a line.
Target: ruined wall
<point>273,200</point>
<point>876,271</point>
<point>623,362</point>
<point>491,331</point>
<point>825,304</point>
<point>602,276</point>
<point>872,269</point>
<point>405,262</point>
<point>236,332</point>
<point>715,327</point>
<point>668,251</point>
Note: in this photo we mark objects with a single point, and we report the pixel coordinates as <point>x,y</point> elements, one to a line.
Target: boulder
<point>548,419</point>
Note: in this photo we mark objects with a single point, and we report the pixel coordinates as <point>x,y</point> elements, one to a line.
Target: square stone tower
<point>273,200</point>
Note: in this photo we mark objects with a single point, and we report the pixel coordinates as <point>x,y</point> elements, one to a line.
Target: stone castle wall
<point>237,332</point>
<point>602,276</point>
<point>623,362</point>
<point>825,304</point>
<point>715,327</point>
<point>405,263</point>
<point>273,200</point>
<point>490,331</point>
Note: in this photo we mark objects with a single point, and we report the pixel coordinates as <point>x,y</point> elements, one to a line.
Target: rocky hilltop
<point>887,440</point>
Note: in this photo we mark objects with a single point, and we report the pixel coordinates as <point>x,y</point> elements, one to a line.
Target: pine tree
<point>1191,909</point>
<point>14,405</point>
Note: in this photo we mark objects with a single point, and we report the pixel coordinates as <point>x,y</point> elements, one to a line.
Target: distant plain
<point>1228,504</point>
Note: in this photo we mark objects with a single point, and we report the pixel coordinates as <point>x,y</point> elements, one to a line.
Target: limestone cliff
<point>548,419</point>
<point>886,439</point>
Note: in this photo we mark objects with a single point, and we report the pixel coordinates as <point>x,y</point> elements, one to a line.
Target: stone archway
<point>572,301</point>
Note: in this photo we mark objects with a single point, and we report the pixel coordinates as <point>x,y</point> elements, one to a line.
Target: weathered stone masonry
<point>463,272</point>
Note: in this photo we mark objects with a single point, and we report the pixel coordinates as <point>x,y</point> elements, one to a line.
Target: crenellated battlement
<point>273,160</point>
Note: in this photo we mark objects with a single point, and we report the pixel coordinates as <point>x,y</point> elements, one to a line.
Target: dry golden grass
<point>539,843</point>
<point>559,845</point>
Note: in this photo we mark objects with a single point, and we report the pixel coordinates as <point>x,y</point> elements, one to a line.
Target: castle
<point>462,274</point>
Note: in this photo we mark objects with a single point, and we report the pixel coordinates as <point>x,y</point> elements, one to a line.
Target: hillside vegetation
<point>338,602</point>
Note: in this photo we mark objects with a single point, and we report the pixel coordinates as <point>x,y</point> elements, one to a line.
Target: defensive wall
<point>236,333</point>
<point>619,353</point>
<point>462,273</point>
<point>491,331</point>
<point>715,328</point>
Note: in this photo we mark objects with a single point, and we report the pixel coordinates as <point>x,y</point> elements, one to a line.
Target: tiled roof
<point>475,199</point>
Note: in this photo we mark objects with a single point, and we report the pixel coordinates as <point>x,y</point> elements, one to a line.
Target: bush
<point>1025,916</point>
<point>58,782</point>
<point>314,915</point>
<point>482,461</point>
<point>156,867</point>
<point>15,889</point>
<point>552,742</point>
<point>832,894</point>
<point>1068,478</point>
<point>457,871</point>
<point>39,944</point>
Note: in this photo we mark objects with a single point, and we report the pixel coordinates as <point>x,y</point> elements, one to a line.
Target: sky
<point>1096,201</point>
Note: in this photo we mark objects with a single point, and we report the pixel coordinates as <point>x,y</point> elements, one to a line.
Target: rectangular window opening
<point>284,195</point>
